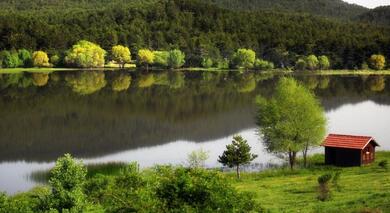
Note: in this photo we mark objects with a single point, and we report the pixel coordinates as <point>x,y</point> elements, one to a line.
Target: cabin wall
<point>342,156</point>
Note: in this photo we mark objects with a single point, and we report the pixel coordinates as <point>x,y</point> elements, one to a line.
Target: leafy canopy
<point>377,62</point>
<point>121,54</point>
<point>291,119</point>
<point>85,54</point>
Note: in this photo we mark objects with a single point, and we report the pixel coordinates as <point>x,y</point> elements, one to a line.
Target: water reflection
<point>158,117</point>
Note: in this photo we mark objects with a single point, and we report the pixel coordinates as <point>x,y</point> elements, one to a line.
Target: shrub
<point>40,59</point>
<point>324,191</point>
<point>25,57</point>
<point>244,58</point>
<point>261,64</point>
<point>176,59</point>
<point>67,181</point>
<point>383,164</point>
<point>300,65</point>
<point>207,62</point>
<point>161,58</point>
<point>199,190</point>
<point>323,62</point>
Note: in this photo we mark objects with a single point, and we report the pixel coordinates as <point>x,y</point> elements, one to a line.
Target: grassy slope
<point>281,190</point>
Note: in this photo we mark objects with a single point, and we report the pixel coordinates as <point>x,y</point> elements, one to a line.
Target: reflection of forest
<point>95,113</point>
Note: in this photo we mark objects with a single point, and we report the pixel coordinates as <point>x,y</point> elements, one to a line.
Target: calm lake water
<point>158,118</point>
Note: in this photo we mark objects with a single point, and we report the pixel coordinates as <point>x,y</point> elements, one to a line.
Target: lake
<point>159,117</point>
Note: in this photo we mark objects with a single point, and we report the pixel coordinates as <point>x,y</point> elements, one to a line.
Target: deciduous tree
<point>40,59</point>
<point>85,54</point>
<point>291,121</point>
<point>121,55</point>
<point>377,62</point>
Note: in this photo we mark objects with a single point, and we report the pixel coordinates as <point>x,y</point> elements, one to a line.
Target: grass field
<point>361,189</point>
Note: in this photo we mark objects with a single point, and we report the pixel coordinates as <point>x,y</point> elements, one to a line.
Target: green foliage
<point>199,190</point>
<point>86,82</point>
<point>199,29</point>
<point>40,59</point>
<point>291,121</point>
<point>161,58</point>
<point>55,60</point>
<point>377,62</point>
<point>312,62</point>
<point>323,62</point>
<point>261,64</point>
<point>324,191</point>
<point>207,62</point>
<point>383,164</point>
<point>9,59</point>
<point>237,153</point>
<point>176,59</point>
<point>67,181</point>
<point>121,83</point>
<point>121,55</point>
<point>244,58</point>
<point>300,64</point>
<point>85,54</point>
<point>25,57</point>
<point>197,158</point>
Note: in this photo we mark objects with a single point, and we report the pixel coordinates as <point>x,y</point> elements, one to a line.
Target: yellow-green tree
<point>312,62</point>
<point>85,54</point>
<point>121,55</point>
<point>244,58</point>
<point>323,62</point>
<point>377,62</point>
<point>145,57</point>
<point>40,59</point>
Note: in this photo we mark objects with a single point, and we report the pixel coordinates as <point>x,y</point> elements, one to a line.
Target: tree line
<point>203,32</point>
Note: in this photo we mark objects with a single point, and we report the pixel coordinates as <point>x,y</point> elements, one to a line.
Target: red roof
<point>348,141</point>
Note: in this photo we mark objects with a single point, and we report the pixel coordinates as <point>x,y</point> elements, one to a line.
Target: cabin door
<point>368,155</point>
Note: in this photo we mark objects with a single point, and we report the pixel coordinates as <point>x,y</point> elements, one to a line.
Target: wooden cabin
<point>349,150</point>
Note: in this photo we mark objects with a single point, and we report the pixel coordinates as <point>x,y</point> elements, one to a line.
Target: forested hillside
<point>328,8</point>
<point>379,16</point>
<point>194,27</point>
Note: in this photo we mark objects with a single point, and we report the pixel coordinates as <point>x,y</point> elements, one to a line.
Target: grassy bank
<point>282,190</point>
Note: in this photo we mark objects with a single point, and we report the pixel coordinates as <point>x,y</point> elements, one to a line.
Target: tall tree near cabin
<point>291,121</point>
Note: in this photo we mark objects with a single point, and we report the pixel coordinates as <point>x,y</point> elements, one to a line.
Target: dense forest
<point>327,8</point>
<point>379,16</point>
<point>193,26</point>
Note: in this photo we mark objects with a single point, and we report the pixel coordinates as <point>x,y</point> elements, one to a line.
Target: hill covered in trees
<point>379,16</point>
<point>193,26</point>
<point>328,8</point>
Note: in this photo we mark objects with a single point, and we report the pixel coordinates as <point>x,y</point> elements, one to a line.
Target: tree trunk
<point>304,153</point>
<point>238,171</point>
<point>291,157</point>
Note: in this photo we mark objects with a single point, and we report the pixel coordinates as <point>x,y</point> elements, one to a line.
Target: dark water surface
<point>158,118</point>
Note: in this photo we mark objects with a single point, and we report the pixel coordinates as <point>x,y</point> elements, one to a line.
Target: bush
<point>207,62</point>
<point>199,190</point>
<point>67,182</point>
<point>176,59</point>
<point>300,65</point>
<point>324,191</point>
<point>261,64</point>
<point>383,164</point>
<point>377,62</point>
